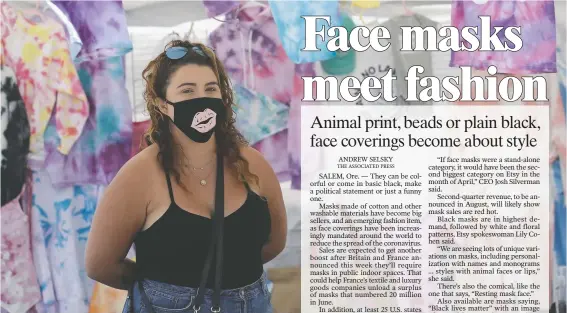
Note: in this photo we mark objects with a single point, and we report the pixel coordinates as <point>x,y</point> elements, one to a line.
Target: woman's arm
<point>270,188</point>
<point>119,216</point>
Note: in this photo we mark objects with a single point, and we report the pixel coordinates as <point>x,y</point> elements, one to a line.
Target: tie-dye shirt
<point>218,7</point>
<point>101,26</point>
<point>37,51</point>
<point>60,223</point>
<point>558,166</point>
<point>294,124</point>
<point>107,299</point>
<point>106,142</point>
<point>75,43</point>
<point>291,27</point>
<point>20,290</point>
<point>537,22</point>
<point>257,116</point>
<point>249,47</point>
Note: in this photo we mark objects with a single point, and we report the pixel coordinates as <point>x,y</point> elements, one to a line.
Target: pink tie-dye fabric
<point>250,49</point>
<point>38,53</point>
<point>218,7</point>
<point>20,289</point>
<point>537,21</point>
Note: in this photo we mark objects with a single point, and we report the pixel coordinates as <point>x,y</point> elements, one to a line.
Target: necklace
<point>203,181</point>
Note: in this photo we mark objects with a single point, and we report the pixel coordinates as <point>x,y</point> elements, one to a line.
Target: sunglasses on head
<point>176,53</point>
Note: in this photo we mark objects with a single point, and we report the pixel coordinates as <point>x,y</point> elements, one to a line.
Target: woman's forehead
<point>199,75</point>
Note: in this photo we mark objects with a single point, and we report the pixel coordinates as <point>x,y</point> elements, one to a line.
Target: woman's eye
<point>187,91</point>
<point>212,89</point>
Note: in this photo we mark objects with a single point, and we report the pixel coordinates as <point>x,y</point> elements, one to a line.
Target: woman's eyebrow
<point>187,84</point>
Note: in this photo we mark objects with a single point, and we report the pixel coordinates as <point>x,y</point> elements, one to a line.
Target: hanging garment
<point>558,131</point>
<point>558,112</point>
<point>257,116</point>
<point>537,22</point>
<point>107,299</point>
<point>558,192</point>
<point>372,63</point>
<point>294,124</point>
<point>345,61</point>
<point>435,64</point>
<point>106,142</point>
<point>366,4</point>
<point>60,223</point>
<point>101,26</point>
<point>562,74</point>
<point>15,137</point>
<point>215,8</point>
<point>20,290</point>
<point>138,131</point>
<point>358,64</point>
<point>38,53</point>
<point>249,47</point>
<point>147,44</point>
<point>292,27</point>
<point>75,43</point>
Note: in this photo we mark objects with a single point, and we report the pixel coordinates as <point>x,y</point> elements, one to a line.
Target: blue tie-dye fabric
<point>288,16</point>
<point>60,223</point>
<point>559,205</point>
<point>101,26</point>
<point>106,141</point>
<point>258,116</point>
<point>560,240</point>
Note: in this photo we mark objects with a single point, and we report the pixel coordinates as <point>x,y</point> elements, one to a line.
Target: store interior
<point>59,206</point>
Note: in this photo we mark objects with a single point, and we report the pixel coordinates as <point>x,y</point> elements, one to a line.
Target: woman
<point>163,198</point>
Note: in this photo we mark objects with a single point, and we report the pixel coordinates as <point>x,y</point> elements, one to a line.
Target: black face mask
<point>198,118</point>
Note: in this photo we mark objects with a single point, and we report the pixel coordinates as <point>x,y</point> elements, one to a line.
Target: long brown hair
<point>229,140</point>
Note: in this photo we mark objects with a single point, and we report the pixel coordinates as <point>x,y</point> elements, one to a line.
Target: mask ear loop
<point>160,108</point>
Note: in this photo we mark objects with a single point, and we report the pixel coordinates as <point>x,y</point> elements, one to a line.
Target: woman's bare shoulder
<point>140,168</point>
<point>255,159</point>
<point>258,165</point>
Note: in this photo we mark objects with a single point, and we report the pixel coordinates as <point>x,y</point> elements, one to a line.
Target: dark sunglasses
<point>176,53</point>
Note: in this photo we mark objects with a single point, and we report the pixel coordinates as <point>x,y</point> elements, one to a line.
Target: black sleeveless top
<point>174,248</point>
